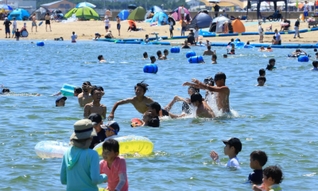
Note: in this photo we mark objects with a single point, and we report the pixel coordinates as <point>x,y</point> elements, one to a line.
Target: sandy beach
<point>86,30</point>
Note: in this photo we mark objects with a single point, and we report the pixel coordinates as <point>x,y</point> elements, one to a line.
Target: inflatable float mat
<point>67,90</point>
<point>269,33</point>
<point>314,29</point>
<point>132,39</point>
<point>51,149</point>
<point>107,39</point>
<point>160,43</point>
<point>131,144</point>
<point>303,30</point>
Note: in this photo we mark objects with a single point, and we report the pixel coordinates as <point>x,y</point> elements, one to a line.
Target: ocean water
<point>279,118</point>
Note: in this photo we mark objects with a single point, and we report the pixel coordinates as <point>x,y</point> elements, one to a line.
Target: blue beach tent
<point>123,15</point>
<point>19,14</point>
<point>153,10</point>
<point>201,20</point>
<point>161,18</point>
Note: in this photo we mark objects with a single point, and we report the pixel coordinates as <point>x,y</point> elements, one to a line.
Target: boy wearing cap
<point>85,97</point>
<point>232,147</point>
<point>97,124</point>
<point>80,165</point>
<point>60,101</point>
<point>111,129</point>
<point>139,101</point>
<point>95,106</point>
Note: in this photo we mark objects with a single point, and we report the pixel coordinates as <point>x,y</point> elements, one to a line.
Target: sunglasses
<point>109,129</point>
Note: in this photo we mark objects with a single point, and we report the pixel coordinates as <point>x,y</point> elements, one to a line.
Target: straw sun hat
<point>83,131</point>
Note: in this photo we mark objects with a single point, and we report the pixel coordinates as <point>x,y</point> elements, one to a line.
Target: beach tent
<point>123,14</point>
<point>217,24</point>
<point>275,6</point>
<point>238,26</point>
<point>160,17</point>
<point>153,10</point>
<point>40,13</point>
<point>138,14</point>
<point>19,14</point>
<point>83,13</point>
<point>201,20</point>
<point>176,13</point>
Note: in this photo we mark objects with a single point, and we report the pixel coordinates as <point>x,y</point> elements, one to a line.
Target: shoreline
<point>86,31</point>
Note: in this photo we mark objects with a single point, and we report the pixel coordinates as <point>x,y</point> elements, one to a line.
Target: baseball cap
<point>234,142</point>
<point>154,105</point>
<point>59,98</point>
<point>112,124</point>
<point>95,118</point>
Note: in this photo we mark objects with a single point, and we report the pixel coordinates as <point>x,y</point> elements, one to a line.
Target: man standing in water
<point>221,91</point>
<point>139,101</point>
<point>95,106</point>
<point>85,97</point>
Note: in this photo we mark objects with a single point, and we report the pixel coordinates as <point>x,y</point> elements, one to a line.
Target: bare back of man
<point>84,99</point>
<point>204,111</point>
<point>91,108</point>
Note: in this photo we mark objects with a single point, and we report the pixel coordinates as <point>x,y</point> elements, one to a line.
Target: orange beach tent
<point>238,26</point>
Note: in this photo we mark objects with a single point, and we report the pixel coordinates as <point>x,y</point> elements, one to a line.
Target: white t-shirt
<point>196,33</point>
<point>182,11</point>
<point>106,22</point>
<point>260,29</point>
<point>306,8</point>
<point>14,25</point>
<point>233,163</point>
<point>74,37</point>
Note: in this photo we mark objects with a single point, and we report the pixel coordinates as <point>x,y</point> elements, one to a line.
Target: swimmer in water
<point>145,55</point>
<point>224,55</point>
<point>262,72</point>
<point>101,59</point>
<point>261,80</point>
<point>317,55</point>
<point>214,57</point>
<point>262,49</point>
<point>165,54</point>
<point>85,97</point>
<point>221,91</point>
<point>271,64</point>
<point>203,109</point>
<point>315,66</point>
<point>298,52</point>
<point>60,102</point>
<point>95,106</point>
<point>139,101</point>
<point>209,52</point>
<point>159,54</point>
<point>269,49</point>
<point>185,45</point>
<point>152,59</point>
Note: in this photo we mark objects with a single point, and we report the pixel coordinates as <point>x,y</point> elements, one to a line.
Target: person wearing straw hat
<point>80,165</point>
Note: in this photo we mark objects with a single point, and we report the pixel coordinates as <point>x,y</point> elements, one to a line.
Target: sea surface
<point>279,118</point>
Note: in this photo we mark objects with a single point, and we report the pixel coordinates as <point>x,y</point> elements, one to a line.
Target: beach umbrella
<point>85,4</point>
<point>6,7</point>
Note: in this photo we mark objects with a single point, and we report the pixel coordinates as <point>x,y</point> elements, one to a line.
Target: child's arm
<point>121,183</point>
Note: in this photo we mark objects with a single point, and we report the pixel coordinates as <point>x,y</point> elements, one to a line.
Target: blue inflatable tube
<point>41,43</point>
<point>249,33</point>
<point>229,34</point>
<point>179,37</point>
<point>160,43</point>
<point>106,39</point>
<point>195,59</point>
<point>67,90</point>
<point>162,37</point>
<point>150,68</point>
<point>269,33</point>
<point>303,30</point>
<point>209,35</point>
<point>174,50</point>
<point>291,32</point>
<point>314,29</point>
<point>190,54</point>
<point>132,39</point>
<point>303,58</point>
<point>306,46</point>
<point>248,46</point>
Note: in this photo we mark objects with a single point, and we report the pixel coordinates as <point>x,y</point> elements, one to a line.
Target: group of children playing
<point>267,179</point>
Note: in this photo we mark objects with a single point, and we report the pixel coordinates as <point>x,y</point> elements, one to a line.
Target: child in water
<point>272,177</point>
<point>315,66</point>
<point>257,160</point>
<point>73,37</point>
<point>214,57</point>
<point>271,64</point>
<point>261,80</point>
<point>114,166</point>
<point>145,55</point>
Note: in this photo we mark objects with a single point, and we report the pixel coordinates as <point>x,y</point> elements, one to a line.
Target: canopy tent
<point>275,6</point>
<point>238,26</point>
<point>225,3</point>
<point>201,20</point>
<point>160,17</point>
<point>123,14</point>
<point>138,14</point>
<point>176,13</point>
<point>40,13</point>
<point>153,10</point>
<point>19,14</point>
<point>218,23</point>
<point>84,13</point>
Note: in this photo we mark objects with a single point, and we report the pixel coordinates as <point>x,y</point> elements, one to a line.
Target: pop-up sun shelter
<point>177,13</point>
<point>138,14</point>
<point>19,14</point>
<point>84,13</point>
<point>201,20</point>
<point>123,15</point>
